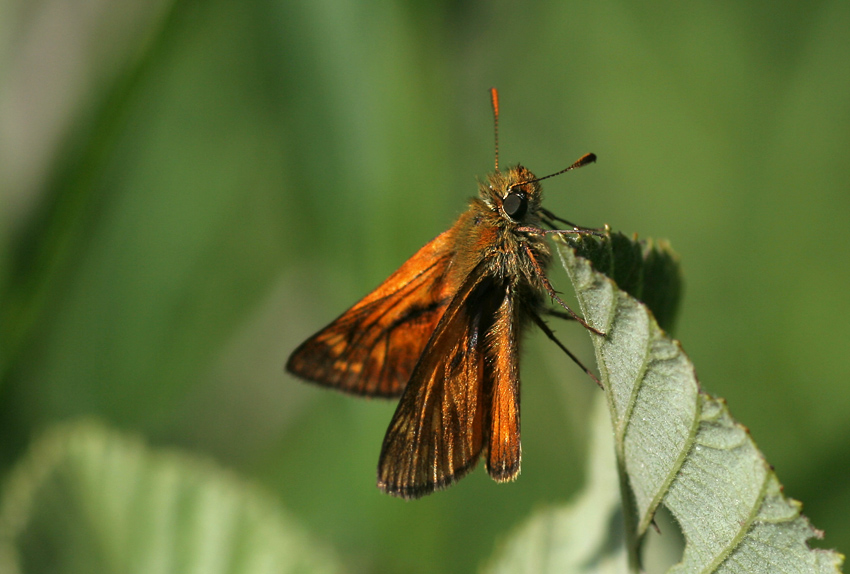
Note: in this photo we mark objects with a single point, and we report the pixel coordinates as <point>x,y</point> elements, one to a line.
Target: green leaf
<point>86,499</point>
<point>676,445</point>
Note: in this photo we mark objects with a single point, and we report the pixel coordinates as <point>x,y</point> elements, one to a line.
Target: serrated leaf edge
<point>700,416</point>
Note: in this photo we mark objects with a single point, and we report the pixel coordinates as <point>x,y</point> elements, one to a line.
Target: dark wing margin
<point>443,420</point>
<point>372,348</point>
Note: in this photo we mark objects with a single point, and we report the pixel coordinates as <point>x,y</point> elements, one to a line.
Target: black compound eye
<point>515,205</point>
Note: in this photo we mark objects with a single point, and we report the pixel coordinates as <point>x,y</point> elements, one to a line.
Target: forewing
<point>438,430</point>
<point>372,348</point>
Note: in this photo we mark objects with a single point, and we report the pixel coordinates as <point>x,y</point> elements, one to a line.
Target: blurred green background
<point>190,189</point>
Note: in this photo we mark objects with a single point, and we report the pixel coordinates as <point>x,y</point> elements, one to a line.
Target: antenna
<point>494,99</point>
<point>580,162</point>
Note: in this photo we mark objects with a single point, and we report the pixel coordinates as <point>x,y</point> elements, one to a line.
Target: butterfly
<point>443,333</point>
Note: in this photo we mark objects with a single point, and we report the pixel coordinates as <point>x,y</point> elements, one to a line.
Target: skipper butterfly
<point>443,333</point>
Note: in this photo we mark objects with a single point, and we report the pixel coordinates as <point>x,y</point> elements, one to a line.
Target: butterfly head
<point>514,194</point>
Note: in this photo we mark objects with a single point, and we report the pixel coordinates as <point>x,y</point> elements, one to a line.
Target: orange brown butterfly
<point>443,333</point>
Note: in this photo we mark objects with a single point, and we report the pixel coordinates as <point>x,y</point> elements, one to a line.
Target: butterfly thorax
<point>486,237</point>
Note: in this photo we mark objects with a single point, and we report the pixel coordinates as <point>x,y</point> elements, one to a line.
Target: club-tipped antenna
<point>580,162</point>
<point>494,99</point>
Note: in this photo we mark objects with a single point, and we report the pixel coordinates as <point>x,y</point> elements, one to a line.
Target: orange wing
<point>372,348</point>
<point>463,397</point>
<point>504,448</point>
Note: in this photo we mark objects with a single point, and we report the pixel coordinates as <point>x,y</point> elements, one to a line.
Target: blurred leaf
<point>676,445</point>
<point>55,139</point>
<point>87,499</point>
<point>158,235</point>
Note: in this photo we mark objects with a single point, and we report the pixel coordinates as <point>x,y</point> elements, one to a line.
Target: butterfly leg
<point>551,334</point>
<point>551,216</point>
<point>538,231</point>
<point>554,295</point>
